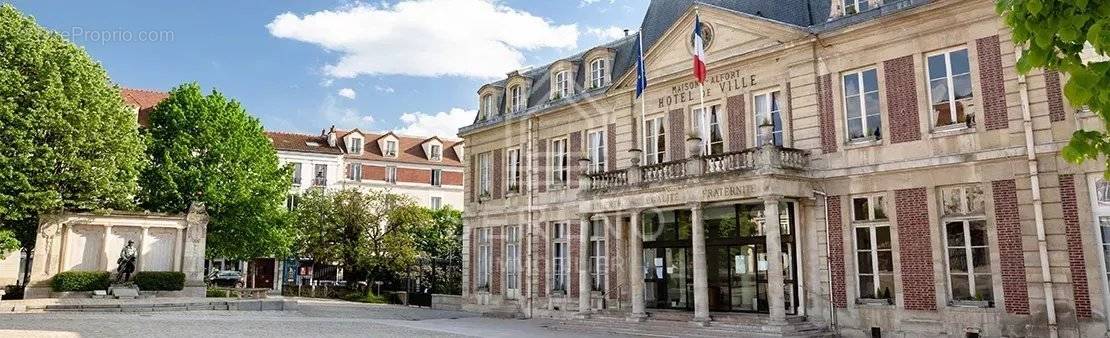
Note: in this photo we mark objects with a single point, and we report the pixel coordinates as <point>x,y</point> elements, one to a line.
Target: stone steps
<point>678,324</point>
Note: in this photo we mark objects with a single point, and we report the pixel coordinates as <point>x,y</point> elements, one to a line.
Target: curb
<point>224,305</point>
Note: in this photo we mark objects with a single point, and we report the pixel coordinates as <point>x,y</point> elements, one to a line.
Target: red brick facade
<point>452,178</point>
<point>737,137</point>
<point>573,228</point>
<point>827,113</point>
<point>373,172</point>
<point>915,248</point>
<point>993,84</point>
<point>541,165</point>
<point>575,146</point>
<point>613,244</point>
<point>1008,226</point>
<point>901,98</point>
<point>836,252</point>
<point>498,173</point>
<point>676,134</point>
<point>495,270</point>
<point>611,146</point>
<point>539,245</point>
<point>1055,99</point>
<point>473,257</point>
<point>1076,262</point>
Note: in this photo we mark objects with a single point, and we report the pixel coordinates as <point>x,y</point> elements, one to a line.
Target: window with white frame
<point>292,201</point>
<point>435,152</point>
<point>559,261</point>
<point>655,141</point>
<point>559,162</point>
<point>768,110</point>
<point>861,105</point>
<point>874,255</point>
<point>390,149</point>
<point>356,146</point>
<point>1100,207</point>
<point>512,259</point>
<point>598,68</point>
<point>391,174</point>
<point>950,90</point>
<point>296,173</point>
<point>561,88</point>
<point>437,177</point>
<point>966,244</point>
<point>856,6</point>
<point>320,175</point>
<point>513,170</point>
<point>708,126</point>
<point>596,149</point>
<point>598,260</point>
<point>487,106</point>
<point>483,261</point>
<point>436,203</point>
<point>485,168</point>
<point>354,172</point>
<point>516,98</point>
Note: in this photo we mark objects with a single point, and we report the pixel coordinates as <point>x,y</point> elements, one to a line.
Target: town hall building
<point>913,175</point>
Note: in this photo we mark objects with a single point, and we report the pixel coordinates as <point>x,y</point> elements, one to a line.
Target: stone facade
<point>927,214</point>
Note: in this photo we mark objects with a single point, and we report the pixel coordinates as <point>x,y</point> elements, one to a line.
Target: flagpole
<point>643,97</point>
<point>704,127</point>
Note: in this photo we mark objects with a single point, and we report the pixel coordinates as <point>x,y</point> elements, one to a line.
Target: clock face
<point>706,36</point>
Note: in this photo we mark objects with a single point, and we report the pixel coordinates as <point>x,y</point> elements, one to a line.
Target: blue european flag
<point>641,68</point>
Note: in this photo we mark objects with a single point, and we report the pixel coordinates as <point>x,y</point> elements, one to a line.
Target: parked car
<point>226,278</point>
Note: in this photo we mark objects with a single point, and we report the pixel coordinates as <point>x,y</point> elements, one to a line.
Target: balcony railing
<point>768,159</point>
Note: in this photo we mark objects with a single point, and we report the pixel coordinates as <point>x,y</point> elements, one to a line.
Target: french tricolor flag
<point>699,51</point>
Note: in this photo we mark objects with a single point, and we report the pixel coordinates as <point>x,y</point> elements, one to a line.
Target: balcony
<point>756,161</point>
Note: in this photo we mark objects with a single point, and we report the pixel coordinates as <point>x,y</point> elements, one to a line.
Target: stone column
<point>701,280</point>
<point>635,267</point>
<point>178,244</point>
<point>584,285</point>
<point>775,287</point>
<point>107,258</point>
<point>142,249</point>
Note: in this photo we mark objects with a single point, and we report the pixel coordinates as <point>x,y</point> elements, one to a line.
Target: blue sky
<point>410,65</point>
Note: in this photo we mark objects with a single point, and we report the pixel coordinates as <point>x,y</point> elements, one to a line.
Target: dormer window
<point>598,69</point>
<point>561,88</point>
<point>856,6</point>
<point>487,106</point>
<point>516,98</point>
<point>390,149</point>
<point>356,146</point>
<point>435,152</point>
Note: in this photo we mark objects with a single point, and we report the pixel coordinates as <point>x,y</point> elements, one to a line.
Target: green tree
<point>207,148</point>
<point>68,140</point>
<point>370,234</point>
<point>442,237</point>
<point>1055,34</point>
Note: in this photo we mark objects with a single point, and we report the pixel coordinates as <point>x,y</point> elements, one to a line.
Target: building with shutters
<point>915,178</point>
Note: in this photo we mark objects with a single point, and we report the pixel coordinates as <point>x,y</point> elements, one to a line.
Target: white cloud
<point>344,117</point>
<point>438,124</point>
<point>327,82</point>
<point>384,89</point>
<point>584,3</point>
<point>606,34</point>
<point>348,93</point>
<point>473,38</point>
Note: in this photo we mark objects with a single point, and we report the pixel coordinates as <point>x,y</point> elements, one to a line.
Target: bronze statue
<point>126,262</point>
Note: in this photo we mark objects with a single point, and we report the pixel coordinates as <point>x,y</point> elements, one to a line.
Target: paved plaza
<point>312,319</point>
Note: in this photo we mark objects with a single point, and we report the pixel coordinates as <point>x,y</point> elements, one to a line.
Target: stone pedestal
<point>124,291</point>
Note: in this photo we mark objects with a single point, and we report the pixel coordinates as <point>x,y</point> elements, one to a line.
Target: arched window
<point>516,98</point>
<point>561,88</point>
<point>598,69</point>
<point>487,108</point>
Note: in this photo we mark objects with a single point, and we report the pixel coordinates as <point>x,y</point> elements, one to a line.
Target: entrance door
<point>668,278</point>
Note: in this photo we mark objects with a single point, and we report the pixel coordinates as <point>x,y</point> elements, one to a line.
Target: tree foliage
<point>207,148</point>
<point>1055,34</point>
<point>442,237</point>
<point>68,140</point>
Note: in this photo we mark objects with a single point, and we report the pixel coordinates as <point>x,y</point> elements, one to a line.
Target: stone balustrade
<point>765,159</point>
<point>608,179</point>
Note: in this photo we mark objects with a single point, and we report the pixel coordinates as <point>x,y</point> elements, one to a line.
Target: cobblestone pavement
<point>312,319</point>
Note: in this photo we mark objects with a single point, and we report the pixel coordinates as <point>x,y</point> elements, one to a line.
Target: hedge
<point>80,281</point>
<point>159,280</point>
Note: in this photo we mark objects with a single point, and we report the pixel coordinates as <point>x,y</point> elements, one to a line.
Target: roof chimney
<point>626,32</point>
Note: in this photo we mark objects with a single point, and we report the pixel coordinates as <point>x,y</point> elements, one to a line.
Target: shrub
<point>80,281</point>
<point>160,280</point>
<point>215,293</point>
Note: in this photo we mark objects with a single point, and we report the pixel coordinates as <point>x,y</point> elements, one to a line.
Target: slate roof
<point>144,100</point>
<point>810,15</point>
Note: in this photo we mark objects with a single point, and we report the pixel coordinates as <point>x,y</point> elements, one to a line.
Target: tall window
<point>512,259</point>
<point>390,149</point>
<point>483,264</point>
<point>875,262</point>
<point>356,145</point>
<point>292,201</point>
<point>1100,196</point>
<point>596,147</point>
<point>708,126</point>
<point>297,173</point>
<point>513,170</point>
<point>855,6</point>
<point>861,105</point>
<point>436,152</point>
<point>516,98</point>
<point>437,177</point>
<point>559,162</point>
<point>561,89</point>
<point>655,141</point>
<point>437,202</point>
<point>968,252</point>
<point>391,174</point>
<point>559,259</point>
<point>768,109</point>
<point>320,175</point>
<point>598,68</point>
<point>598,260</point>
<point>354,172</point>
<point>950,87</point>
<point>487,106</point>
<point>484,170</point>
